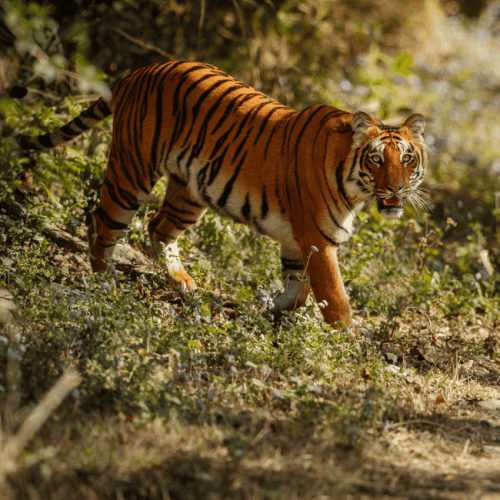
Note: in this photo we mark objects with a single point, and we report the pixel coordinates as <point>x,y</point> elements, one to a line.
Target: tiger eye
<point>406,158</point>
<point>376,158</point>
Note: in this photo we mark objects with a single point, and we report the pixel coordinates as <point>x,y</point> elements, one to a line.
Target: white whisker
<point>417,200</point>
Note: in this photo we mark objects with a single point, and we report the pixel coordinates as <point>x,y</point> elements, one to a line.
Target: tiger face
<point>388,163</point>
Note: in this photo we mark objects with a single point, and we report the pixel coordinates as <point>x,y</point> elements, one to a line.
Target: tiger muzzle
<point>391,208</point>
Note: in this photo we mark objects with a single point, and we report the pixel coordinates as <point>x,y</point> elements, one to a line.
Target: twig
<point>202,15</point>
<point>407,422</point>
<point>14,445</point>
<point>143,44</point>
<point>466,449</point>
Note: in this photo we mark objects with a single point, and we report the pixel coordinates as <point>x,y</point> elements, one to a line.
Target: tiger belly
<point>240,205</point>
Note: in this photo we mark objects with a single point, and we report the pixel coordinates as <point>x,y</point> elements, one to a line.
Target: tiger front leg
<point>326,281</point>
<point>178,213</point>
<point>295,283</point>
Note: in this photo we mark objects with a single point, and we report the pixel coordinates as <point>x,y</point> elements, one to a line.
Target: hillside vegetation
<point>158,396</point>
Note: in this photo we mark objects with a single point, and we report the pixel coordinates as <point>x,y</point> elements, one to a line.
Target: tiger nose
<point>396,197</point>
<point>396,189</point>
<point>392,201</point>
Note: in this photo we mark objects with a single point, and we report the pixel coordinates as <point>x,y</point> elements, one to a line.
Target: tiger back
<point>298,177</point>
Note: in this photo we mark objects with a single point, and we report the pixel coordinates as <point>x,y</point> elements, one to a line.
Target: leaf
<point>402,63</point>
<point>194,343</point>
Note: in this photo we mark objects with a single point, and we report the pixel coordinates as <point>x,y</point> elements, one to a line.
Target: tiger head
<point>388,163</point>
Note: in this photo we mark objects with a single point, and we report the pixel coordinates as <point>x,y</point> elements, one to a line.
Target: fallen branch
<point>12,446</point>
<point>64,239</point>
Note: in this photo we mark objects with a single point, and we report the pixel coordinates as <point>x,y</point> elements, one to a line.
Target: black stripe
<point>327,117</point>
<point>264,207</point>
<point>177,180</point>
<point>166,238</point>
<point>332,215</point>
<point>256,110</point>
<point>264,123</point>
<point>220,142</point>
<point>301,133</point>
<point>185,76</point>
<point>125,127</point>
<point>191,202</point>
<point>227,112</point>
<point>173,208</point>
<point>210,113</point>
<point>177,222</point>
<point>242,124</point>
<point>216,165</point>
<point>103,108</point>
<point>221,202</point>
<point>46,140</point>
<point>181,156</point>
<point>79,123</point>
<point>340,185</point>
<point>271,135</point>
<point>291,264</point>
<point>246,97</point>
<point>240,146</point>
<point>353,164</point>
<point>245,209</point>
<point>196,108</point>
<point>181,119</point>
<point>69,132</point>
<point>108,222</point>
<point>286,135</point>
<point>115,193</point>
<point>106,245</point>
<point>158,126</point>
<point>189,161</point>
<point>90,112</point>
<point>333,242</point>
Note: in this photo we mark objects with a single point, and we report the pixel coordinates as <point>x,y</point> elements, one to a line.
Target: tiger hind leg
<point>178,213</point>
<point>296,286</point>
<point>114,213</point>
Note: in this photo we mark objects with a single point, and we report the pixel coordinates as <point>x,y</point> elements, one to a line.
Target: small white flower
<point>314,249</point>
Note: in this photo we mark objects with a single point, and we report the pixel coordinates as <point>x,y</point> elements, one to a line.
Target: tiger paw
<point>294,296</point>
<point>181,282</point>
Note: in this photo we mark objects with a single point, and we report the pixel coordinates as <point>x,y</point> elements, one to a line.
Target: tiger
<point>299,177</point>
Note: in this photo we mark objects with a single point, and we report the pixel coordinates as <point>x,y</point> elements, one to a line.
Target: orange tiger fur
<point>298,177</point>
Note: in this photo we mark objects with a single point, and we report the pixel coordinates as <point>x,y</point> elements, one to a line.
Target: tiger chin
<point>297,177</point>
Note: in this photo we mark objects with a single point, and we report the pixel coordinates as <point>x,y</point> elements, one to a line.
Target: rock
<point>391,357</point>
<point>491,404</point>
<point>125,254</point>
<point>392,369</point>
<point>491,449</point>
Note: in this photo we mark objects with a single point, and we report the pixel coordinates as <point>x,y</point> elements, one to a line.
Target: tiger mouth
<point>390,210</point>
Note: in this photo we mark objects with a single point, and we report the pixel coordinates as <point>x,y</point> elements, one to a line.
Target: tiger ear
<point>416,125</point>
<point>361,123</point>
